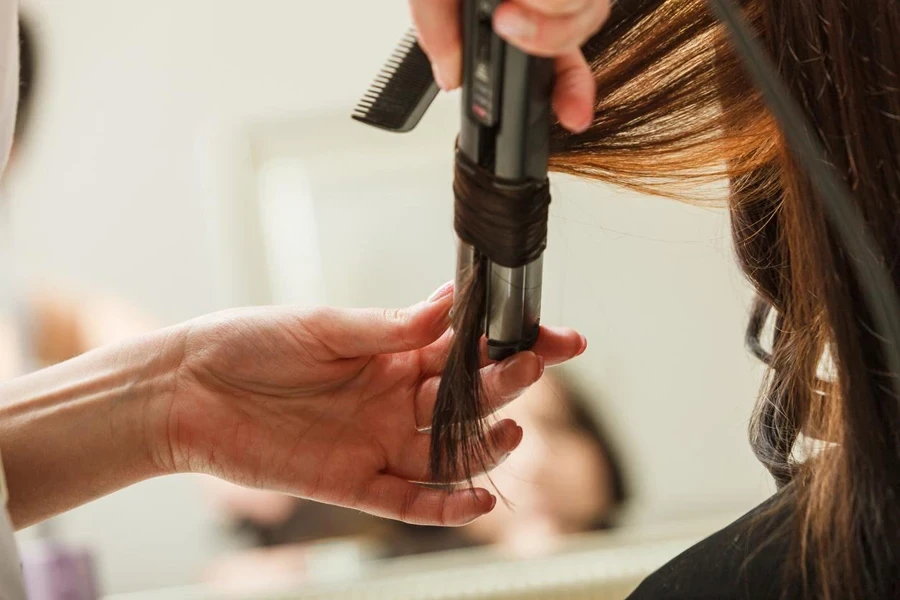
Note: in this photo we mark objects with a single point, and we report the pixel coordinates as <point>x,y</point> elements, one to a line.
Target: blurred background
<point>186,156</point>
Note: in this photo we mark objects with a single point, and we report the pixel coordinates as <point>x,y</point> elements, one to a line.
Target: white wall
<point>128,89</point>
<point>113,192</point>
<point>109,194</point>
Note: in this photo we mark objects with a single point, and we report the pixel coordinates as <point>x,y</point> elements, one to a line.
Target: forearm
<point>86,427</point>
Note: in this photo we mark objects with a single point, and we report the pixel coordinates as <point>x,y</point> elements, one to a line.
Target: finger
<point>554,344</point>
<point>351,333</point>
<point>434,357</point>
<point>557,345</point>
<point>503,383</point>
<point>555,8</point>
<point>544,35</point>
<point>413,463</point>
<point>437,22</point>
<point>395,498</point>
<point>574,92</point>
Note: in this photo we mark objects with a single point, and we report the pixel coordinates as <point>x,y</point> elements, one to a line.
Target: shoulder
<point>744,561</point>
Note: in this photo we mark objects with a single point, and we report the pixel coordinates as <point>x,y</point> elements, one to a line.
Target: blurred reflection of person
<point>565,478</point>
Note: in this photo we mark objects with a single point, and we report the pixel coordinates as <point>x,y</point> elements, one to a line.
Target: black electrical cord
<point>840,209</point>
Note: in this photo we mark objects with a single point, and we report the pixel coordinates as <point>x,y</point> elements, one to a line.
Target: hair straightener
<point>504,130</point>
<point>506,110</point>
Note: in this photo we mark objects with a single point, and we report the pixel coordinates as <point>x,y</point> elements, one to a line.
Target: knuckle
<point>319,317</point>
<point>397,320</point>
<point>394,316</point>
<point>407,505</point>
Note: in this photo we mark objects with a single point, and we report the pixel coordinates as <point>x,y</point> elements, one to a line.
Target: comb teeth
<point>401,92</point>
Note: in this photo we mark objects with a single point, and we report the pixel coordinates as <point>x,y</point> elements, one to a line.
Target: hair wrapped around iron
<point>675,110</point>
<point>506,224</point>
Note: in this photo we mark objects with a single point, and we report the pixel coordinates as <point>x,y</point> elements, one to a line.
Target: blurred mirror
<point>188,156</point>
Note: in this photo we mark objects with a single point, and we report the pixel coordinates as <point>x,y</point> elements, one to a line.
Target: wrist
<point>155,389</point>
<point>86,427</point>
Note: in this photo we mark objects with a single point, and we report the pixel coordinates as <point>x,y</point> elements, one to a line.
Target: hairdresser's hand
<point>331,405</point>
<point>552,28</point>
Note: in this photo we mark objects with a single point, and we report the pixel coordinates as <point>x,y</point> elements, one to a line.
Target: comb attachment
<point>402,91</point>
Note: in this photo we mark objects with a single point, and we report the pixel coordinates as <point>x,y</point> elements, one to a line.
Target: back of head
<point>675,110</point>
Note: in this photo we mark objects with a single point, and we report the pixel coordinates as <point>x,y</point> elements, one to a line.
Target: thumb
<point>352,333</point>
<point>574,92</point>
<point>437,22</point>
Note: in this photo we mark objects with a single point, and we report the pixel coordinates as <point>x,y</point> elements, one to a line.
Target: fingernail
<point>442,292</point>
<point>512,24</point>
<point>584,344</point>
<point>541,371</point>
<point>439,77</point>
<point>493,503</point>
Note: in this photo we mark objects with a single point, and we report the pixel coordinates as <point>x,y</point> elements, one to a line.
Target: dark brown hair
<point>675,111</point>
<point>27,76</point>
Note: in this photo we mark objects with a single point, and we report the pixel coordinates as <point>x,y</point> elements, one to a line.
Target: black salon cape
<point>744,561</point>
<point>751,559</point>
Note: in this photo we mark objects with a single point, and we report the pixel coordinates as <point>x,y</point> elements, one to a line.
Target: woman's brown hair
<point>675,110</point>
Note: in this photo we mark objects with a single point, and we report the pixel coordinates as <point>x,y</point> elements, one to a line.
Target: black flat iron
<point>504,130</point>
<point>505,125</point>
